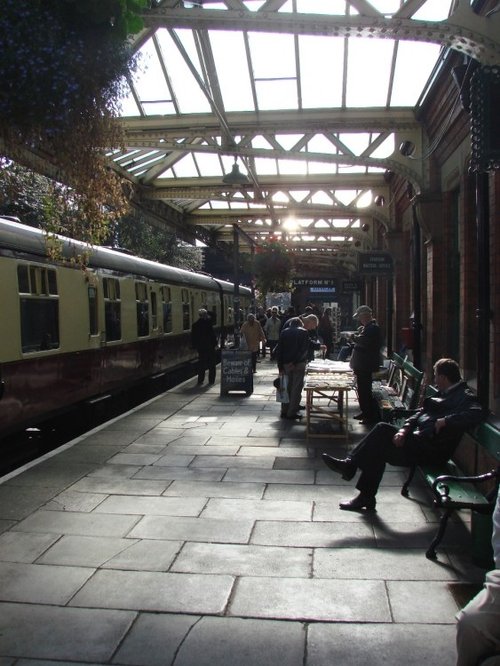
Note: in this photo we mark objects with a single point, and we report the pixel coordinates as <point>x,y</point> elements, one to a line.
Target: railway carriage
<point>71,334</point>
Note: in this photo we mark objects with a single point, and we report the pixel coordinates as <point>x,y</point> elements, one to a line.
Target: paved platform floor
<point>200,530</point>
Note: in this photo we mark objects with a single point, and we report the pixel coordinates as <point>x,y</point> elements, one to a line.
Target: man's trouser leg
<point>296,383</point>
<point>478,628</point>
<point>365,396</point>
<point>372,454</point>
<point>202,365</point>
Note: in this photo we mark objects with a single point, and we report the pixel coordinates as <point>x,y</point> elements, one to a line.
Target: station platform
<point>200,530</point>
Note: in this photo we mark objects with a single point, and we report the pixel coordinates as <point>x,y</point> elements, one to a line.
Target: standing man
<point>292,357</point>
<point>365,360</point>
<point>272,330</point>
<point>204,340</point>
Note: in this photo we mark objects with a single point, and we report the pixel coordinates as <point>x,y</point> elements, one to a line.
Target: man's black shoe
<point>346,468</point>
<point>359,416</point>
<point>367,502</point>
<point>368,422</point>
<point>295,417</point>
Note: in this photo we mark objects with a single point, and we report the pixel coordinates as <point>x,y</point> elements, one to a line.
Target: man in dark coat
<point>429,436</point>
<point>293,348</point>
<point>204,340</point>
<point>365,360</point>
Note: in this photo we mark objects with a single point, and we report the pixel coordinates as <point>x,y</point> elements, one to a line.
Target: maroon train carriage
<point>71,334</point>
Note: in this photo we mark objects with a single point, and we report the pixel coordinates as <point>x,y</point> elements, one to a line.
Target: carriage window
<point>154,311</point>
<point>39,307</point>
<point>142,308</point>
<point>92,294</point>
<point>186,310</point>
<point>112,308</point>
<point>166,301</point>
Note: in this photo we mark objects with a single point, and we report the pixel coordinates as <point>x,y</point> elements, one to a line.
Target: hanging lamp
<point>235,177</point>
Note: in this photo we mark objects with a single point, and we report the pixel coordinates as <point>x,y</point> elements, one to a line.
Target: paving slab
<point>226,489</point>
<point>247,560</point>
<point>245,642</point>
<point>72,522</point>
<point>193,529</point>
<point>379,645</point>
<point>62,633</point>
<point>152,506</point>
<point>40,584</point>
<point>155,591</point>
<point>258,509</point>
<point>145,555</point>
<point>154,639</point>
<point>302,599</point>
<point>312,534</point>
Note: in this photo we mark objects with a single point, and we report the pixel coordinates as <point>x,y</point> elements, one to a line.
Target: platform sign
<point>314,283</point>
<point>236,372</point>
<point>375,263</point>
<point>350,286</point>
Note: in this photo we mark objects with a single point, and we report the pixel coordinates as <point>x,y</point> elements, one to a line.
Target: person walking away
<point>430,436</point>
<point>204,340</point>
<point>365,360</point>
<point>325,331</point>
<point>478,627</point>
<point>261,317</point>
<point>293,347</point>
<point>254,335</point>
<point>272,331</point>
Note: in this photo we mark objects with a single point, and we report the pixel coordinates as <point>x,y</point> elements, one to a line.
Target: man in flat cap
<point>365,360</point>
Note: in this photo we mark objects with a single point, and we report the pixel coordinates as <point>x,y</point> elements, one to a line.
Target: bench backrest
<point>479,452</point>
<point>412,379</point>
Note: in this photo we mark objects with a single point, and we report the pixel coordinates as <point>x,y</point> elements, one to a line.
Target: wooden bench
<point>402,390</point>
<point>464,482</point>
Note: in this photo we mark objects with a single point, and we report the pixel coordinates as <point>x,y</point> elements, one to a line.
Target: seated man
<point>429,436</point>
<point>478,628</point>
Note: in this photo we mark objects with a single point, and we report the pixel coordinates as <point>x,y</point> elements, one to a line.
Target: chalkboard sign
<point>236,372</point>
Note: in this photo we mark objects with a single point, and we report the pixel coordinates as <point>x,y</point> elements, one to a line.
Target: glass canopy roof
<point>203,98</point>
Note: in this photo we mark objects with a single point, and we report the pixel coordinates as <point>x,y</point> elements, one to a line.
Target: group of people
<point>431,435</point>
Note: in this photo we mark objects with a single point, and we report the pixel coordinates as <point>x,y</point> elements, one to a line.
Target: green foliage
<point>62,71</point>
<point>273,268</point>
<point>40,202</point>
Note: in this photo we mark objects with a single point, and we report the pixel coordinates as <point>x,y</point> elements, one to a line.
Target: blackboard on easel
<point>236,372</point>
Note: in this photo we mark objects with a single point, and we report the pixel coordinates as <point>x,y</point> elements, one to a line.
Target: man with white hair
<point>365,360</point>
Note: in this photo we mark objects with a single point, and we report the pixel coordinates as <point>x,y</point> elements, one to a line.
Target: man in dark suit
<point>365,360</point>
<point>204,340</point>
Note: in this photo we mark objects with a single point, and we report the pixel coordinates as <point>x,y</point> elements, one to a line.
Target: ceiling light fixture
<point>235,177</point>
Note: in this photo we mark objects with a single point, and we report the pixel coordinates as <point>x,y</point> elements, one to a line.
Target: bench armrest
<point>441,488</point>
